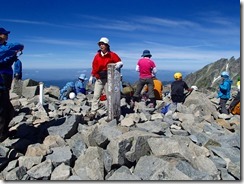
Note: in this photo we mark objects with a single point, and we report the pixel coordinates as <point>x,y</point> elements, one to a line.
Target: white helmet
<point>71,95</point>
<point>104,40</point>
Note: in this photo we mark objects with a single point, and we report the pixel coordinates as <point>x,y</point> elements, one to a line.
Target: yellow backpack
<point>236,109</point>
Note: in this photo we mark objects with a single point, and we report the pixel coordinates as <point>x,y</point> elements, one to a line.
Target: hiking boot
<point>91,115</point>
<point>224,116</point>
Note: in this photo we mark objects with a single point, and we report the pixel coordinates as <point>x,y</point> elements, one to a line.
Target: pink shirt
<point>146,67</point>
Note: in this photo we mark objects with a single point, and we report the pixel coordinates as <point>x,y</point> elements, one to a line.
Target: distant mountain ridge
<point>209,76</point>
<point>59,77</point>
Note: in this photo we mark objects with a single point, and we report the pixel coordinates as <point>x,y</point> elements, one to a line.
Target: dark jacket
<point>177,91</point>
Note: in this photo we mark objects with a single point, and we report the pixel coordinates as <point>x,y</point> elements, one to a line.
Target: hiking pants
<point>100,85</point>
<point>222,104</point>
<point>141,83</point>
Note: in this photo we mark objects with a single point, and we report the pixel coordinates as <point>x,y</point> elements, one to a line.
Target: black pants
<point>6,112</point>
<point>222,104</point>
<point>7,78</point>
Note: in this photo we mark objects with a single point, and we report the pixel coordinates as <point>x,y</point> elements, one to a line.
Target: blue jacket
<point>224,89</point>
<point>17,67</point>
<point>80,87</point>
<point>8,56</point>
<point>64,92</point>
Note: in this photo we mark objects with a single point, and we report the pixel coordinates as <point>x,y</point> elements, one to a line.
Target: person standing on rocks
<point>17,82</point>
<point>147,69</point>
<point>224,92</point>
<point>8,55</point>
<point>103,57</point>
<point>18,70</point>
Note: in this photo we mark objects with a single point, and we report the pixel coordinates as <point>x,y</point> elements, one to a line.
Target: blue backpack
<point>66,90</point>
<point>165,109</point>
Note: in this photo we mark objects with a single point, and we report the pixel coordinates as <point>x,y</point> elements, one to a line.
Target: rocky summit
<point>55,140</point>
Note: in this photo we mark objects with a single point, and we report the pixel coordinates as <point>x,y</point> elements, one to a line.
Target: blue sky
<point>181,35</point>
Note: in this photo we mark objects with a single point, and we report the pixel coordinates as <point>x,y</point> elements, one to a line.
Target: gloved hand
<point>17,76</point>
<point>118,65</point>
<point>91,80</point>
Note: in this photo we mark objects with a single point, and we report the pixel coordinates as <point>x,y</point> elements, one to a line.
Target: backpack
<point>165,109</point>
<point>65,91</point>
<point>127,89</point>
<point>236,109</point>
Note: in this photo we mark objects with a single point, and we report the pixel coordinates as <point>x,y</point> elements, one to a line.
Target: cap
<point>4,31</point>
<point>83,76</point>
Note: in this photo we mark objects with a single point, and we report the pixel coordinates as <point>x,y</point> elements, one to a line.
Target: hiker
<point>224,92</point>
<point>103,57</point>
<point>237,97</point>
<point>80,85</point>
<point>66,90</point>
<point>18,70</point>
<point>178,86</point>
<point>147,69</point>
<point>8,55</point>
<point>158,89</point>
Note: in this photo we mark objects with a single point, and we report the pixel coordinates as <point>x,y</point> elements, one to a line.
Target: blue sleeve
<point>224,86</point>
<point>8,52</point>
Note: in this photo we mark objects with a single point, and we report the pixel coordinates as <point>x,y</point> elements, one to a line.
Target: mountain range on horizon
<point>203,78</point>
<point>60,77</point>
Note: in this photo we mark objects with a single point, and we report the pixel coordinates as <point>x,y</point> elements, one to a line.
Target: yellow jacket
<point>238,85</point>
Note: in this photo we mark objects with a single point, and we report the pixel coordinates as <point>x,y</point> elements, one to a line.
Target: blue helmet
<point>225,74</point>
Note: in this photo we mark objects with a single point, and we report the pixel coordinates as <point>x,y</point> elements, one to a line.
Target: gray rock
<point>62,172</point>
<point>67,129</point>
<point>77,145</point>
<point>41,171</point>
<point>123,173</point>
<point>28,162</point>
<point>60,155</point>
<point>92,162</point>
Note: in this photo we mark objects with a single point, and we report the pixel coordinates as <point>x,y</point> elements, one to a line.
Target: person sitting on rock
<point>158,89</point>
<point>66,90</point>
<point>80,85</point>
<point>237,97</point>
<point>177,89</point>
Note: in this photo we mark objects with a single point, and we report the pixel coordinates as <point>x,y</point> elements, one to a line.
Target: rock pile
<point>55,141</point>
